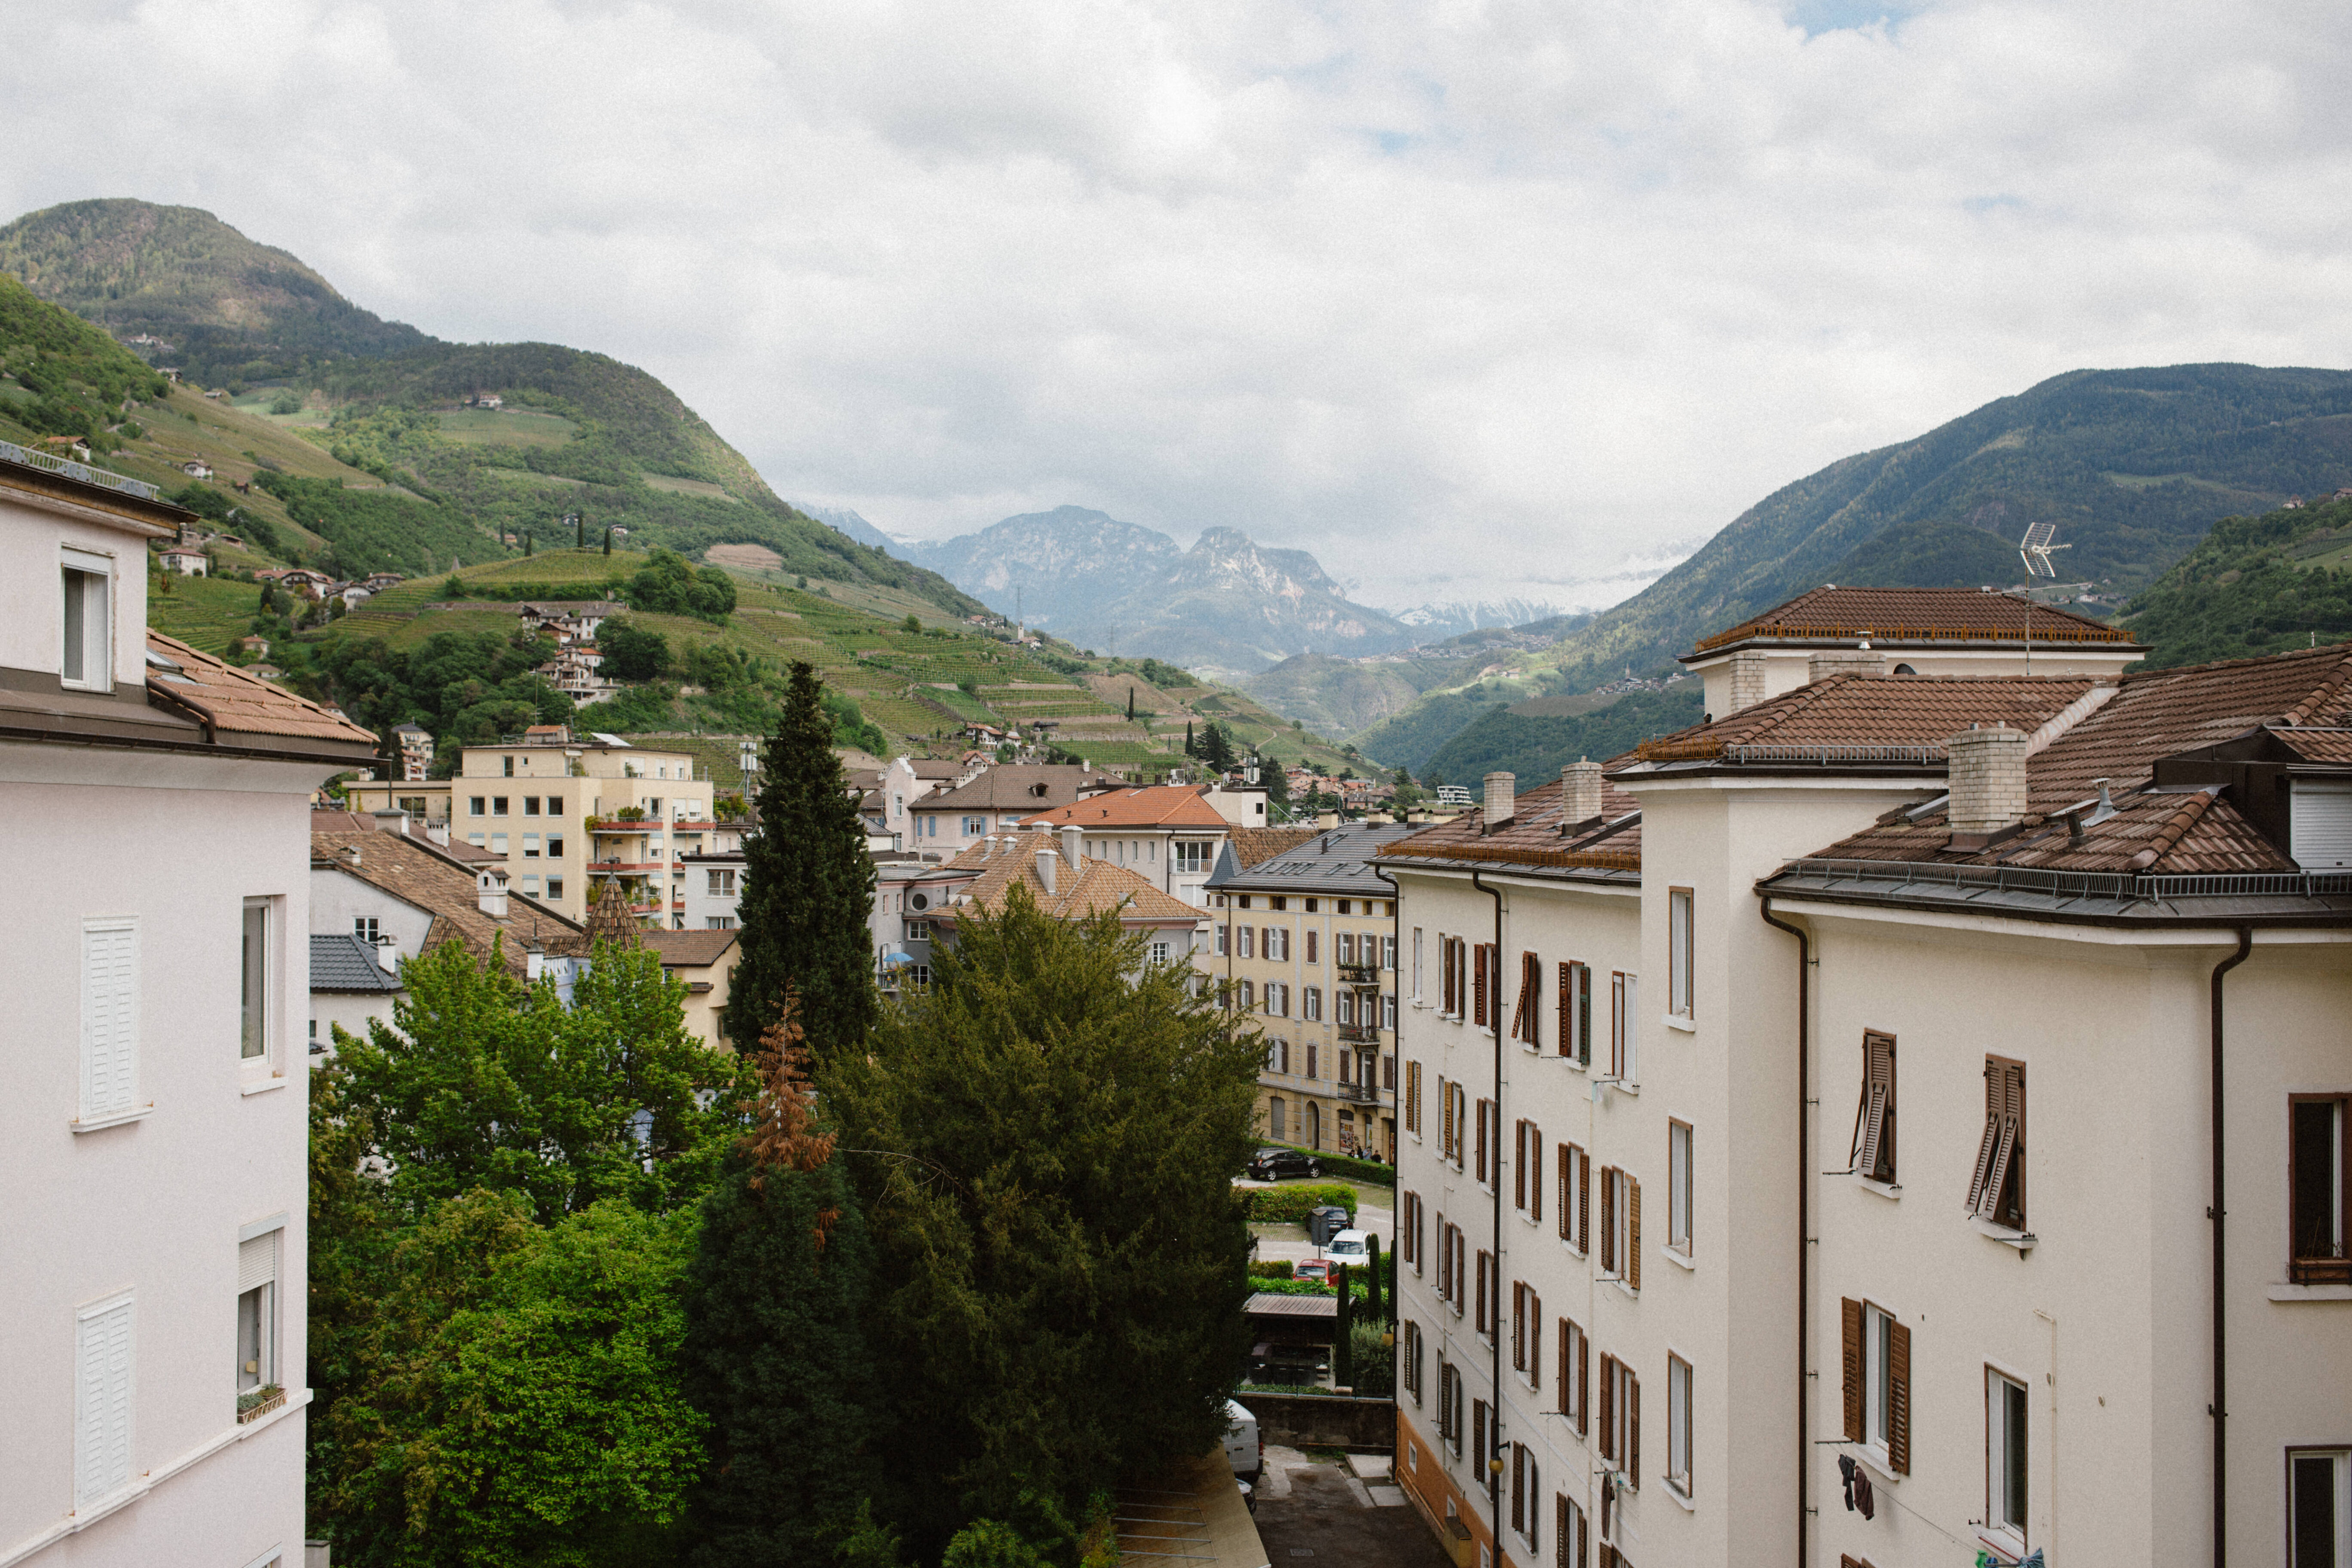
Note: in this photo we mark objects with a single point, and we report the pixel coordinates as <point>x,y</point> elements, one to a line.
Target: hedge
<point>1290,1202</point>
<point>1270,1268</point>
<point>1370,1170</point>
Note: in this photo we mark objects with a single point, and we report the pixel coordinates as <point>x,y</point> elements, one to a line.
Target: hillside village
<point>789,1063</point>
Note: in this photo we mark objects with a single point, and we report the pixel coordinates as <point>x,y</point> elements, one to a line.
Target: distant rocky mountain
<point>842,521</point>
<point>1227,606</point>
<point>1436,622</point>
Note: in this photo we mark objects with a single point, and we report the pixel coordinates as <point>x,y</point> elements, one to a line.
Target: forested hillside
<point>2253,586</point>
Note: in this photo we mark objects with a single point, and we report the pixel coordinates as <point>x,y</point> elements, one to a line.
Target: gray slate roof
<point>1336,861</point>
<point>344,962</point>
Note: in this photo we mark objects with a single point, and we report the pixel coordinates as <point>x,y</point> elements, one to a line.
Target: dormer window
<point>86,663</point>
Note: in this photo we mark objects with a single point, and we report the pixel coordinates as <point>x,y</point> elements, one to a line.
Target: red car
<point>1317,1268</point>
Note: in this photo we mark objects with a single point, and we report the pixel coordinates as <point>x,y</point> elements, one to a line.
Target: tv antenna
<point>2035,547</point>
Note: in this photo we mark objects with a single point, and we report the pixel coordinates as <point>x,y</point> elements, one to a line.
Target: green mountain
<point>2253,586</point>
<point>2131,465</point>
<point>510,440</point>
<point>1537,745</point>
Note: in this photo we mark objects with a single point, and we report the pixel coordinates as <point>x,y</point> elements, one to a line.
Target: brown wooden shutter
<point>1567,1371</point>
<point>1989,1145</point>
<point>1480,1145</point>
<point>1584,1014</point>
<point>1566,1161</point>
<point>1633,1233</point>
<point>1872,1146</point>
<point>1583,1202</point>
<point>1898,1399</point>
<point>1633,1433</point>
<point>1609,1406</point>
<point>1583,1383</point>
<point>1520,1163</point>
<point>1518,1325</point>
<point>1519,1488</point>
<point>1445,1116</point>
<point>1567,1044</point>
<point>1607,1220</point>
<point>1535,1339</point>
<point>1850,1335</point>
<point>1535,1174</point>
<point>1478,986</point>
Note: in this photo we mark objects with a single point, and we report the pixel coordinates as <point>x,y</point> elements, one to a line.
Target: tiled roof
<point>690,949</point>
<point>1252,845</point>
<point>2318,745</point>
<point>342,962</point>
<point>1334,860</point>
<point>1015,787</point>
<point>1159,805</point>
<point>235,704</point>
<point>2167,832</point>
<point>1910,615</point>
<point>423,875</point>
<point>363,822</point>
<point>1871,718</point>
<point>1098,886</point>
<point>1532,838</point>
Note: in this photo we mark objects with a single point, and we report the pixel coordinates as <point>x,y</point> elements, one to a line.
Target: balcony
<point>627,867</point>
<point>1359,973</point>
<point>1363,1092</point>
<point>1360,1034</point>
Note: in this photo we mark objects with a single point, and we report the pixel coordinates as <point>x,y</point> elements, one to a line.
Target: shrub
<point>1290,1202</point>
<point>1374,1363</point>
<point>1270,1269</point>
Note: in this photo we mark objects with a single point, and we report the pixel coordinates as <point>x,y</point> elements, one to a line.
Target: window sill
<point>262,1085</point>
<point>1874,1458</point>
<point>2282,1292</point>
<point>1682,1498</point>
<point>1689,1026</point>
<point>1621,1086</point>
<point>2021,1240</point>
<point>1678,1257</point>
<point>1891,1191</point>
<point>114,1119</point>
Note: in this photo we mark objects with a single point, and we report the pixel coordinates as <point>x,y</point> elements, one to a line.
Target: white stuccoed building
<point>152,1069</point>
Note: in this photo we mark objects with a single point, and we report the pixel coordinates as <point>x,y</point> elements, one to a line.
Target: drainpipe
<point>1804,1207</point>
<point>1396,935</point>
<point>2220,1406</point>
<point>1494,1171</point>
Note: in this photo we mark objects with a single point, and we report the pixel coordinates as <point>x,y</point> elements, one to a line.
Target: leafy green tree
<point>632,652</point>
<point>808,888</point>
<point>776,1358</point>
<point>1276,782</point>
<point>1059,1243</point>
<point>667,585</point>
<point>517,1394</point>
<point>482,1081</point>
<point>911,623</point>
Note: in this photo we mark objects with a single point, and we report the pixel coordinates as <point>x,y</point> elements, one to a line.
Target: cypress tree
<point>1343,1334</point>
<point>608,542</point>
<point>775,1355</point>
<point>808,888</point>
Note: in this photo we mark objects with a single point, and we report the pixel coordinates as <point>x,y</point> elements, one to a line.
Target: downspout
<point>1804,1207</point>
<point>1396,1036</point>
<point>1494,1171</point>
<point>2221,1407</point>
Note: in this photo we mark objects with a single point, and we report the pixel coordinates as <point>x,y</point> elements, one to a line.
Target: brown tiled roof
<point>1532,837</point>
<point>1012,787</point>
<point>2165,832</point>
<point>421,873</point>
<point>689,949</point>
<point>1905,717</point>
<point>2330,745</point>
<point>1159,805</point>
<point>235,704</point>
<point>362,822</point>
<point>609,919</point>
<point>1098,885</point>
<point>1254,845</point>
<point>1909,616</point>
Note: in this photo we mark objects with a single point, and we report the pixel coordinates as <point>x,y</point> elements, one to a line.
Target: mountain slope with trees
<point>2255,585</point>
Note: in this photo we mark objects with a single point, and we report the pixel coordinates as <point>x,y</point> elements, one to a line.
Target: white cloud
<point>1470,297</point>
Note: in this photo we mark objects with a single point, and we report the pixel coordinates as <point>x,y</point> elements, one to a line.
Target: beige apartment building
<point>1937,1018</point>
<point>1304,936</point>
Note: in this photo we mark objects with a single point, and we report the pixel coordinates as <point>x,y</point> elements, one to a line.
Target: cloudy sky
<point>1466,298</point>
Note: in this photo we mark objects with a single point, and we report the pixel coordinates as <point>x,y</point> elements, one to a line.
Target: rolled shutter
<point>257,1262</point>
<point>1850,1337</point>
<point>1609,1407</point>
<point>1898,1399</point>
<point>1633,1233</point>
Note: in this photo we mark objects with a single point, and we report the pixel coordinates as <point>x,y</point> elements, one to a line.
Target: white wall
<point>32,601</point>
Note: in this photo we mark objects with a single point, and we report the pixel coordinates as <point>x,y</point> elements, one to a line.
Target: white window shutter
<point>110,1018</point>
<point>256,1261</point>
<point>102,1402</point>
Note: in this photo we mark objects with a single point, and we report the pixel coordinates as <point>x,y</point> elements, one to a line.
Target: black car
<point>1273,1164</point>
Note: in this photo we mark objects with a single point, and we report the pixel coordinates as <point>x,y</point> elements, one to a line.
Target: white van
<point>1352,1247</point>
<point>1245,1449</point>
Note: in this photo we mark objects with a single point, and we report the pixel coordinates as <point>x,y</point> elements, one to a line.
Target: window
<point>1567,1532</point>
<point>555,888</point>
<point>1312,1064</point>
<point>1575,1205</point>
<point>1249,995</point>
<point>1343,1007</point>
<point>717,922</point>
<point>1277,999</point>
<point>555,846</point>
<point>1449,1405</point>
<point>497,806</point>
<point>1479,987</point>
<point>1388,953</point>
<point>509,767</point>
<point>1620,1228</point>
<point>1409,1232</point>
<point>498,843</point>
<point>1223,941</point>
<point>474,804</point>
<point>1282,1056</point>
<point>1277,943</point>
<point>530,845</point>
<point>2316,1191</point>
<point>1997,1189</point>
<point>475,839</point>
<point>1873,1154</point>
<point>531,885</point>
<point>1388,1014</point>
<point>257,1308</point>
<point>1311,934</point>
<point>1311,999</point>
<point>1277,1116</point>
<point>102,1397</point>
<point>918,930</point>
<point>253,983</point>
<point>1416,963</point>
<point>1678,1187</point>
<point>1489,1307</point>
<point>1526,1334</point>
<point>1678,1424</point>
<point>1625,1008</point>
<point>1159,952</point>
<point>1527,1494</point>
<point>1483,1169</point>
<point>1243,935</point>
<point>86,656</point>
<point>973,827</point>
<point>2005,1454</point>
<point>1410,1359</point>
<point>1525,1016</point>
<point>1620,1420</point>
<point>1345,942</point>
<point>1575,1377</point>
<point>531,805</point>
<point>1877,1377</point>
<point>721,884</point>
<point>2319,1508</point>
<point>1678,951</point>
<point>1412,1098</point>
<point>364,928</point>
<point>1192,858</point>
<point>555,806</point>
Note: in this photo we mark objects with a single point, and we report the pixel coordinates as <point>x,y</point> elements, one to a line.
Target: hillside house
<point>197,468</point>
<point>416,743</point>
<point>2081,936</point>
<point>152,1069</point>
<point>187,562</point>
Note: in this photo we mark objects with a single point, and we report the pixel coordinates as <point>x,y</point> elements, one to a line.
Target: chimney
<point>1046,861</point>
<point>1326,819</point>
<point>438,832</point>
<point>535,963</point>
<point>1074,846</point>
<point>1500,803</point>
<point>392,821</point>
<point>387,954</point>
<point>1579,793</point>
<point>1986,776</point>
<point>490,892</point>
<point>1843,661</point>
<point>1746,683</point>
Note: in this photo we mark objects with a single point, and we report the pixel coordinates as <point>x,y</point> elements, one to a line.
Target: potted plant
<point>255,1403</point>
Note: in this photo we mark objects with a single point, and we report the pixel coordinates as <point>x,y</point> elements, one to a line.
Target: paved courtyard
<point>1375,1212</point>
<point>1312,1512</point>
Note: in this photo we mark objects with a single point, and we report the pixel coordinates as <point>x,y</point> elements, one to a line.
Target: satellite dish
<point>2035,547</point>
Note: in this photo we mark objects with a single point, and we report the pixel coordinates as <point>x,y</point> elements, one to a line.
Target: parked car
<point>1274,1165</point>
<point>1352,1247</point>
<point>1316,1268</point>
<point>1245,1448</point>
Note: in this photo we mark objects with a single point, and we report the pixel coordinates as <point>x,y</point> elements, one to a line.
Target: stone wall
<point>1322,1421</point>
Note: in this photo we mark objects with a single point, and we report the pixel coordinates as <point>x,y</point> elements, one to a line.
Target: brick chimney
<point>1843,661</point>
<point>1746,683</point>
<point>1987,776</point>
<point>1579,793</point>
<point>1500,805</point>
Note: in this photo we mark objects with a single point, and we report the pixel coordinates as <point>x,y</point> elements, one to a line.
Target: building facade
<point>947,822</point>
<point>1166,833</point>
<point>152,1055</point>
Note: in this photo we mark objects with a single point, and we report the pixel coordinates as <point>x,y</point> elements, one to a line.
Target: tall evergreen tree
<point>775,1359</point>
<point>1215,748</point>
<point>808,888</point>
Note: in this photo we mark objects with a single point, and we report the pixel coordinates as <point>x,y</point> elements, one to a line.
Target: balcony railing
<point>1360,975</point>
<point>1360,1034</point>
<point>1360,1091</point>
<point>34,458</point>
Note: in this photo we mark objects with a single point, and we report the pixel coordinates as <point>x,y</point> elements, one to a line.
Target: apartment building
<point>152,1060</point>
<point>1166,833</point>
<point>947,822</point>
<point>1063,879</point>
<point>2014,917</point>
<point>703,961</point>
<point>559,811</point>
<point>1305,936</point>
